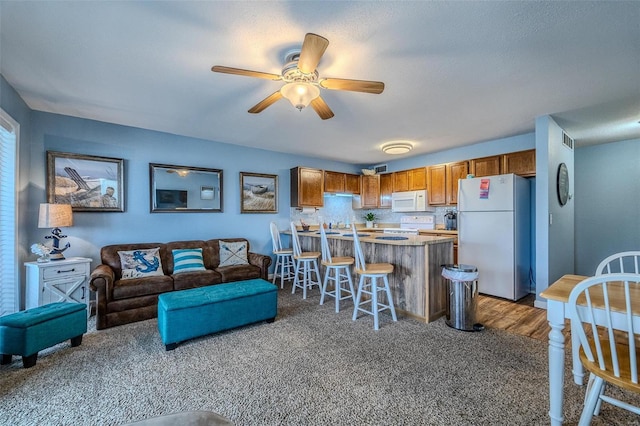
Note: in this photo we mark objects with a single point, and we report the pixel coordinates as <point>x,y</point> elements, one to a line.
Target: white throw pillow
<point>140,263</point>
<point>233,253</point>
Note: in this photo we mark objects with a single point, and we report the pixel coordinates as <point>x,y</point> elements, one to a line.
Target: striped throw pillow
<point>187,260</point>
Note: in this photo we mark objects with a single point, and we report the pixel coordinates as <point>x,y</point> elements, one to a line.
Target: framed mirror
<point>185,189</point>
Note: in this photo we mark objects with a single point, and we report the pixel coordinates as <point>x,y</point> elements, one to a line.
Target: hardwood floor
<point>519,317</point>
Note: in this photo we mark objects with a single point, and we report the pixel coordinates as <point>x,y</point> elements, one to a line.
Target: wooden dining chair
<point>338,270</point>
<point>308,261</point>
<point>626,261</point>
<point>606,322</point>
<point>285,266</point>
<point>369,284</point>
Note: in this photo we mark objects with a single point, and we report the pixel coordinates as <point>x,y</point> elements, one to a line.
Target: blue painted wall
<point>139,147</point>
<point>607,202</point>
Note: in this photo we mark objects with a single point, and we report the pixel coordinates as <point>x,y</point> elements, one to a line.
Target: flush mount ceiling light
<point>396,148</point>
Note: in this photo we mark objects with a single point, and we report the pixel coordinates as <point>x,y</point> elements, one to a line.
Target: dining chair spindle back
<point>285,266</point>
<point>306,265</point>
<point>600,307</point>
<point>369,284</point>
<point>338,270</point>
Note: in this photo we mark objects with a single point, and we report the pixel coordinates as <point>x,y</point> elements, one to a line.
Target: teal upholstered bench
<point>25,333</point>
<point>187,314</point>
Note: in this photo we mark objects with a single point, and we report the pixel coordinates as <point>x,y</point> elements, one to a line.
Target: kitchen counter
<point>417,285</point>
<point>438,231</point>
<point>375,234</point>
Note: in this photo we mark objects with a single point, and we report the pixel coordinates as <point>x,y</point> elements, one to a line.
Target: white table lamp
<point>55,216</point>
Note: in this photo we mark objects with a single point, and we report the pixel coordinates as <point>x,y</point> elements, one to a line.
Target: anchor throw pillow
<point>187,260</point>
<point>140,263</point>
<point>233,253</point>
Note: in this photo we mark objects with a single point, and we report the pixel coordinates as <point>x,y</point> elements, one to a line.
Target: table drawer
<point>61,271</point>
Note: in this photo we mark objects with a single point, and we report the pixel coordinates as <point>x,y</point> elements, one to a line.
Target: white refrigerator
<point>494,226</point>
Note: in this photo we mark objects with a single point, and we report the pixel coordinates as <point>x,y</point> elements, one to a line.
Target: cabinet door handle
<point>60,271</point>
<point>82,293</point>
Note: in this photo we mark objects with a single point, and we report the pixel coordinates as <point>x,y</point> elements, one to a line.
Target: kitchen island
<point>417,285</point>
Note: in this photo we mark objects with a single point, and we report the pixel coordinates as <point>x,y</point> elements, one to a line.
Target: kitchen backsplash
<point>338,209</point>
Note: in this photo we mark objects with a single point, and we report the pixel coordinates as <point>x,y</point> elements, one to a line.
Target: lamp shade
<point>55,215</point>
<point>300,94</point>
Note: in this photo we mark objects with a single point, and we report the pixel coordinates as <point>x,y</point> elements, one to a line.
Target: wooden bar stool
<point>285,266</point>
<point>308,261</point>
<point>341,267</point>
<point>372,272</point>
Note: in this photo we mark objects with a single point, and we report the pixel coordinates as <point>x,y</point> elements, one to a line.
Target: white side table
<point>58,281</point>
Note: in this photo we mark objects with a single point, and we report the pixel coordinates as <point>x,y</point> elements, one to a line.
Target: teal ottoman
<point>187,314</point>
<point>25,333</point>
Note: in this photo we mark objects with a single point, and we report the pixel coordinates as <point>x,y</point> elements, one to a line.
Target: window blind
<point>8,215</point>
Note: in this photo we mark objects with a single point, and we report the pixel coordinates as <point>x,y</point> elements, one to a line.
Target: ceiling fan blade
<point>321,107</point>
<point>247,73</point>
<point>353,85</point>
<point>313,48</point>
<point>268,101</point>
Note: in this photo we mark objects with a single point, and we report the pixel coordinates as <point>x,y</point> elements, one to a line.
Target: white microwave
<point>410,201</point>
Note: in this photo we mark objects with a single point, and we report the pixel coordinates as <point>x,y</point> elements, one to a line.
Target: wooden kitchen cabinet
<point>351,183</point>
<point>370,191</point>
<point>386,188</point>
<point>418,179</point>
<point>410,180</point>
<point>443,182</point>
<point>522,163</point>
<point>307,187</point>
<point>437,181</point>
<point>486,166</point>
<point>400,181</point>
<point>334,182</point>
<point>455,171</point>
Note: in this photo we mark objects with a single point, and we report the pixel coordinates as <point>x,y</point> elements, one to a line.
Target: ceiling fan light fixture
<point>300,94</point>
<point>396,148</point>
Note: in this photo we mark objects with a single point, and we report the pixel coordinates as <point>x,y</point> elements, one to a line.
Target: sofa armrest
<point>101,280</point>
<point>262,262</point>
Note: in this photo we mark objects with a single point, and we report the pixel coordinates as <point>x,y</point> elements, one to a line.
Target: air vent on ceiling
<point>380,168</point>
<point>567,141</point>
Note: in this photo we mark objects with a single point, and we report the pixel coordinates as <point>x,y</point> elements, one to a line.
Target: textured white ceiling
<point>456,73</point>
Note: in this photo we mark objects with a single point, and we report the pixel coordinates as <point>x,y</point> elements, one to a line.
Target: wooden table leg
<point>555,315</point>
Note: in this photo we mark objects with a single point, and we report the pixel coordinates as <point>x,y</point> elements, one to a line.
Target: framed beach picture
<point>88,183</point>
<point>258,193</point>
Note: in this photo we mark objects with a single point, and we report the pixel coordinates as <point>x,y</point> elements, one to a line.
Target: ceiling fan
<point>303,81</point>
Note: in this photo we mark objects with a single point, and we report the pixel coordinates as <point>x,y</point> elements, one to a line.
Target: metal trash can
<point>462,297</point>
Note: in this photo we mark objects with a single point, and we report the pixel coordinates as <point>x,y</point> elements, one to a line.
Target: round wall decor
<point>562,183</point>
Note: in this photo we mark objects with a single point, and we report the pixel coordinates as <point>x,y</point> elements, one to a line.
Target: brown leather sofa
<point>124,301</point>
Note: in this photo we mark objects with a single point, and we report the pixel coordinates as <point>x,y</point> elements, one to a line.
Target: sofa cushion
<point>134,287</point>
<point>233,253</point>
<point>140,263</point>
<point>238,272</point>
<point>187,260</point>
<point>187,280</point>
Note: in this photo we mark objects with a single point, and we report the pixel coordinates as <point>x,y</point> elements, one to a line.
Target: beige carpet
<point>310,367</point>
